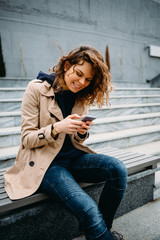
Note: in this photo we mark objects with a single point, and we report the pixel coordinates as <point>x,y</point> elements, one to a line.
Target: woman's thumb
<point>74,116</point>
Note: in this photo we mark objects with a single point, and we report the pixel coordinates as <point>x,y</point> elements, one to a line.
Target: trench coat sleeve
<point>80,139</point>
<point>32,136</point>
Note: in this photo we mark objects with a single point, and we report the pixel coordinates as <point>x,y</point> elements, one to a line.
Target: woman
<point>52,157</point>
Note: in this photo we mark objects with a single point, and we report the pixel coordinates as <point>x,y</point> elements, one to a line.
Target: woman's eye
<point>79,74</point>
<point>88,80</point>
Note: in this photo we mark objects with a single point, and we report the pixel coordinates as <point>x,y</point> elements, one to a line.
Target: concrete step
<point>127,109</point>
<point>125,138</point>
<point>102,125</point>
<point>11,93</point>
<point>7,156</point>
<point>110,124</point>
<point>135,91</point>
<point>115,110</point>
<point>13,118</point>
<point>7,93</point>
<point>134,99</point>
<point>10,136</point>
<point>10,119</point>
<point>124,84</point>
<point>22,82</point>
<point>10,104</point>
<point>121,139</point>
<point>14,82</point>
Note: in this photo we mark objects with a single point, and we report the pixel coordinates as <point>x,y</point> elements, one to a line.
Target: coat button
<point>31,163</point>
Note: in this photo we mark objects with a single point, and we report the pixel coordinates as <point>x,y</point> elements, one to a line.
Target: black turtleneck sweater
<point>66,101</point>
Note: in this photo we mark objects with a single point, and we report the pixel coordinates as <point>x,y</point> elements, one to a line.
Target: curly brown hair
<point>97,92</point>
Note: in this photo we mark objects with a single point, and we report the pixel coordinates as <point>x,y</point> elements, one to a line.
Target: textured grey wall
<point>35,33</point>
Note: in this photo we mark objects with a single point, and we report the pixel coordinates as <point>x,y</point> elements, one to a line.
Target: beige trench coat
<point>38,148</point>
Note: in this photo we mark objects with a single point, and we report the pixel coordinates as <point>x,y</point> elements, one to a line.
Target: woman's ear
<point>66,65</point>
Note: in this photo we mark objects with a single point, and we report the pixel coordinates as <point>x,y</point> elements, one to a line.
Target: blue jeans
<point>60,183</point>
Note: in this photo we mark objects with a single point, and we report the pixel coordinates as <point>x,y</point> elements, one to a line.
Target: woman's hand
<point>85,127</point>
<point>69,125</point>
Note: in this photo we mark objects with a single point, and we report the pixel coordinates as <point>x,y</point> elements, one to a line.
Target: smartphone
<point>88,118</point>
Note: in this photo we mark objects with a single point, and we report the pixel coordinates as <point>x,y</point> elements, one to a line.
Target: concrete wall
<point>35,34</point>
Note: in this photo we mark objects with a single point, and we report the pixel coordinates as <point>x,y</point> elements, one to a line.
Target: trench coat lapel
<point>53,107</point>
<point>55,110</point>
<point>47,90</point>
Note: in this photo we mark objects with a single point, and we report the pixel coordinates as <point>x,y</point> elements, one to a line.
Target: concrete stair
<point>125,138</point>
<point>10,104</point>
<point>125,109</point>
<point>9,82</point>
<point>7,93</point>
<point>132,120</point>
<point>7,156</point>
<point>135,91</point>
<point>10,119</point>
<point>10,136</point>
<point>116,123</point>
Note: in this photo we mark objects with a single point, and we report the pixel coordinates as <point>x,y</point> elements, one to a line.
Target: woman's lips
<point>76,86</point>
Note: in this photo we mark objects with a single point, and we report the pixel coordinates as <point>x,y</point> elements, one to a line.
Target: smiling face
<point>78,76</point>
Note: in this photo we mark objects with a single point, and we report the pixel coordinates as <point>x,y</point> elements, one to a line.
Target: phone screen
<point>88,118</point>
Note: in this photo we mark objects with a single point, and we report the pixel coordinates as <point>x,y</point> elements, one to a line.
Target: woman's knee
<point>119,169</point>
<point>119,174</point>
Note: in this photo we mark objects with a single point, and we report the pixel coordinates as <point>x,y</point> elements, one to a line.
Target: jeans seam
<point>102,233</point>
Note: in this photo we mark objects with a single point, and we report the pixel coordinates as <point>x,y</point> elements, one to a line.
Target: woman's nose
<point>82,81</point>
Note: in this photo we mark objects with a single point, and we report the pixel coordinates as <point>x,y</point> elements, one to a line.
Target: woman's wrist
<point>82,135</point>
<point>56,128</point>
